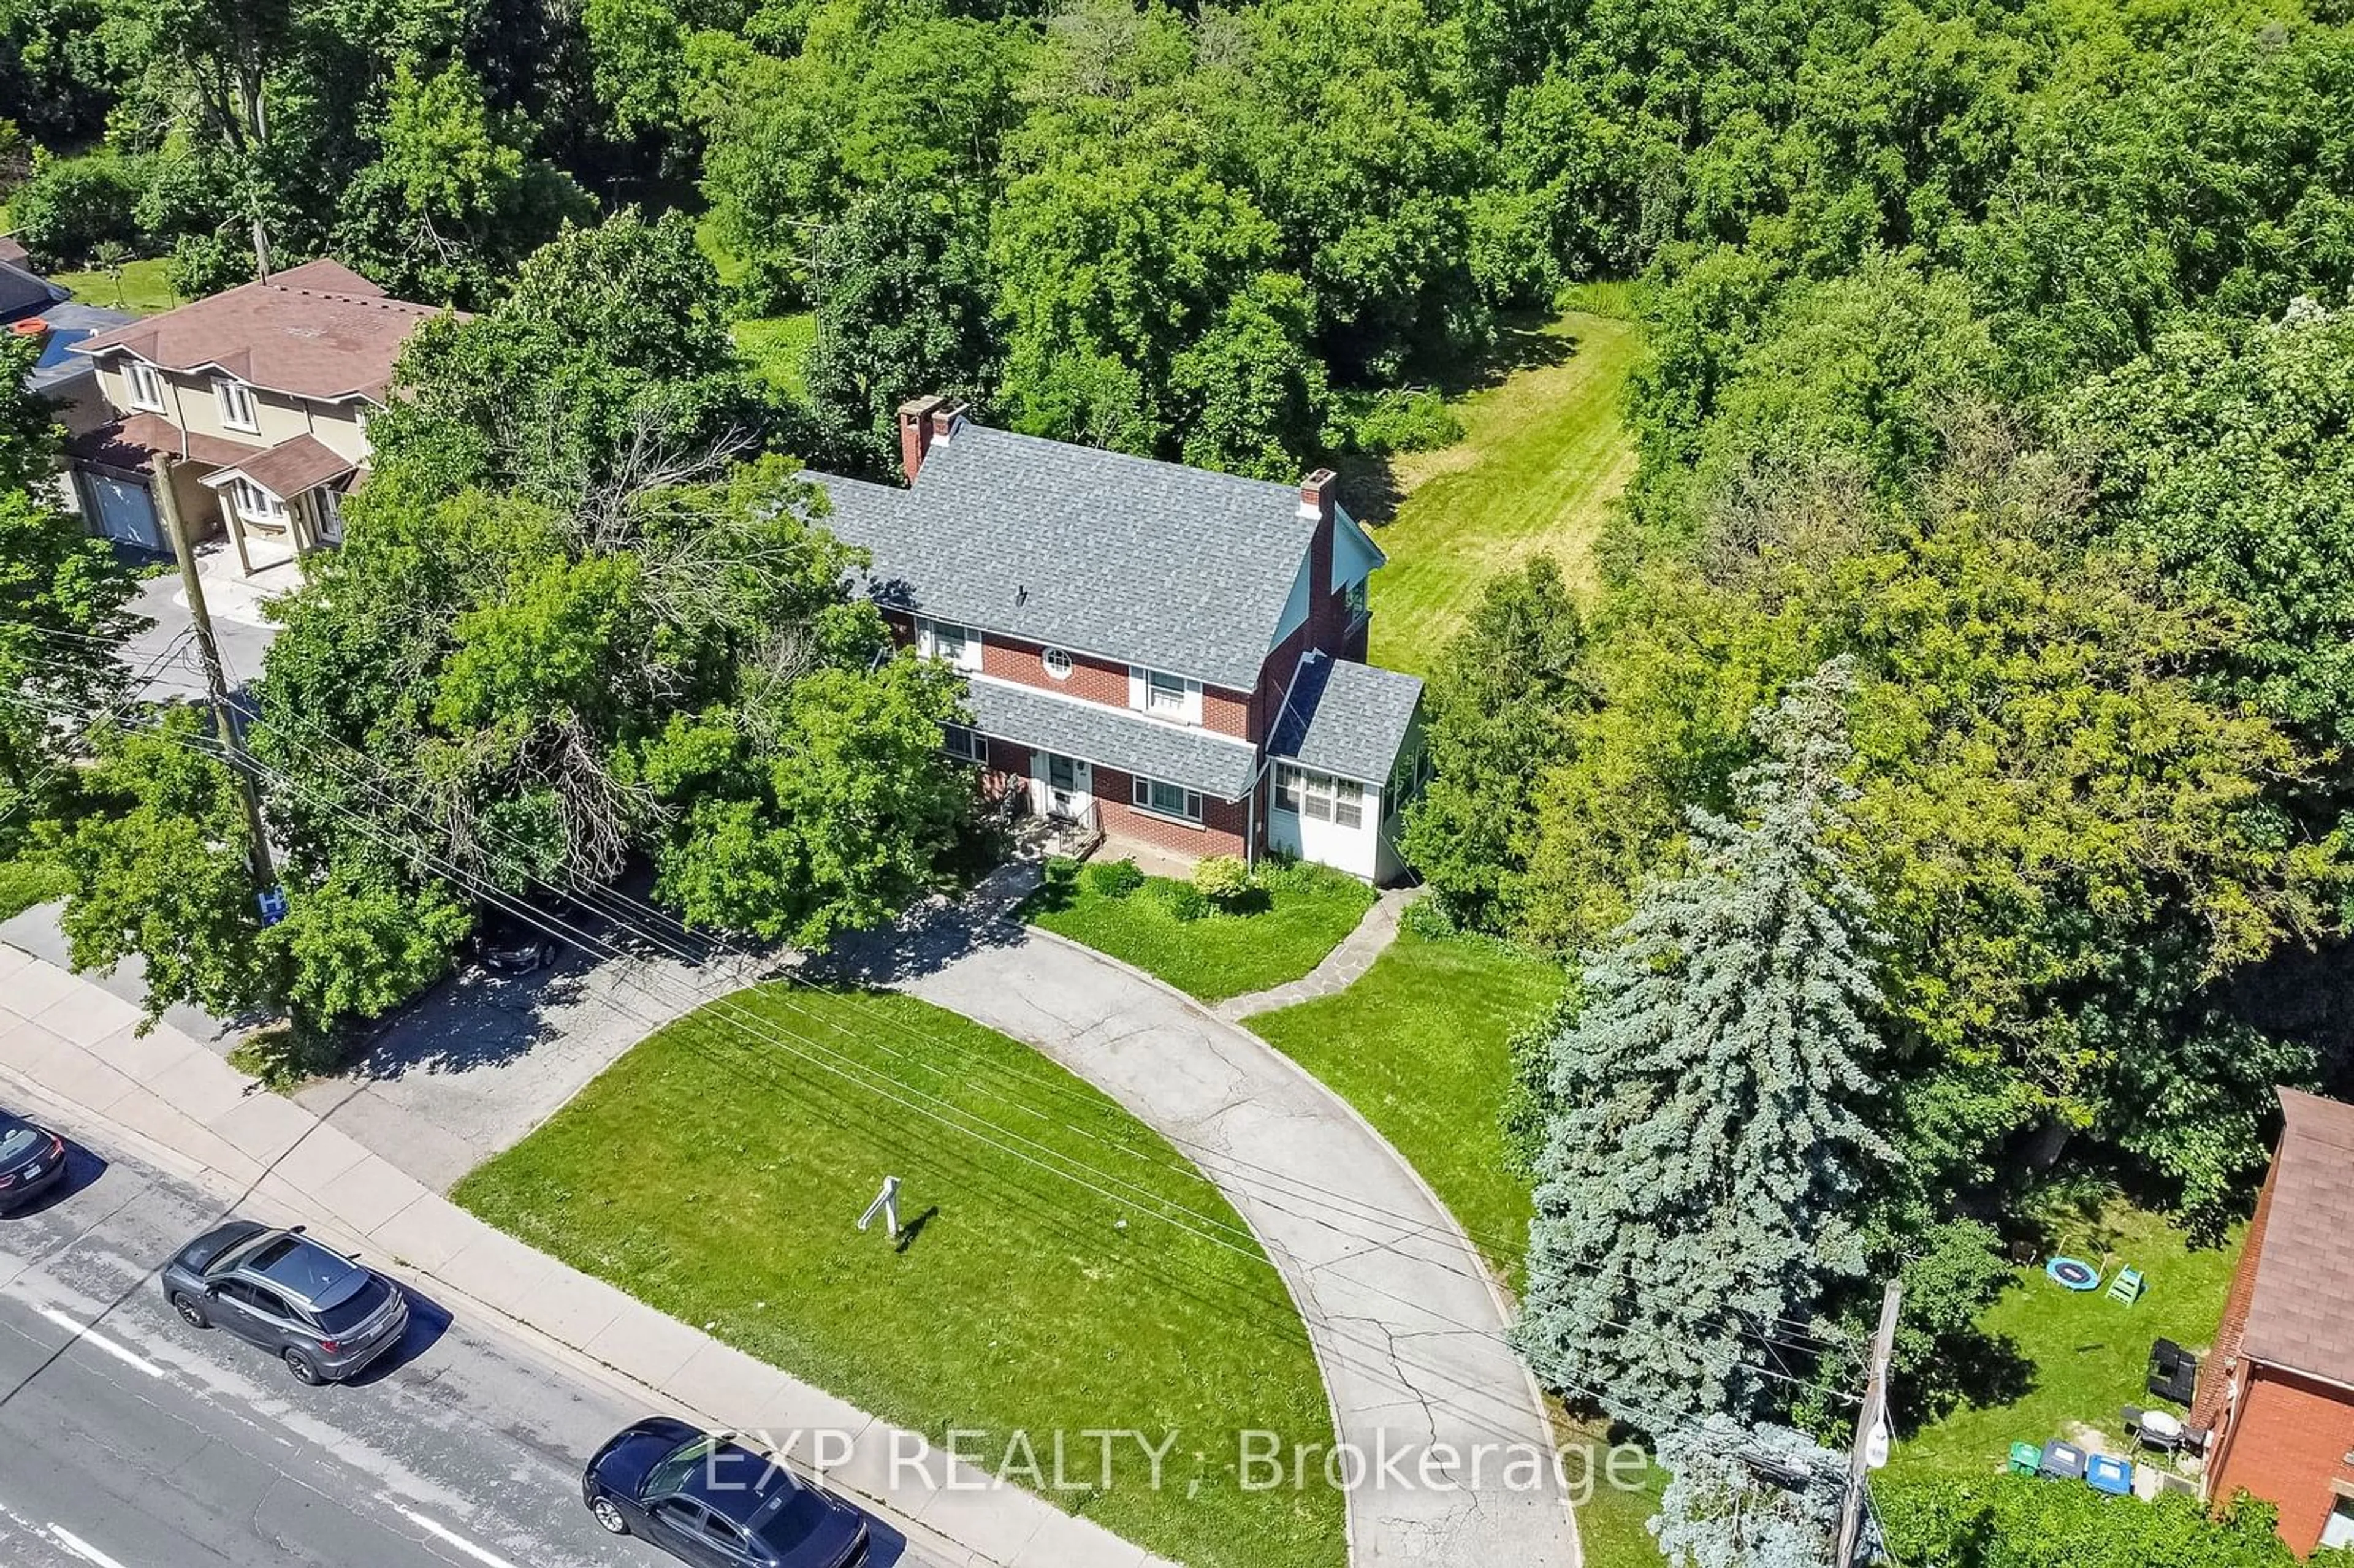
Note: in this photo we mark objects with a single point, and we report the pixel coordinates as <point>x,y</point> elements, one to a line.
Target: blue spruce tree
<point>1706,1150</point>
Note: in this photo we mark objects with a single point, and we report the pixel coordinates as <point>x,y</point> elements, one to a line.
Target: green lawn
<point>1420,1046</point>
<point>715,1174</point>
<point>1304,912</point>
<point>1544,455</point>
<point>143,289</point>
<point>2083,1355</point>
<point>27,881</point>
<point>777,348</point>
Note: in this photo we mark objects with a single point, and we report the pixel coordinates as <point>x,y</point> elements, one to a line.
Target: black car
<point>508,945</point>
<point>32,1161</point>
<point>715,1504</point>
<point>313,1308</point>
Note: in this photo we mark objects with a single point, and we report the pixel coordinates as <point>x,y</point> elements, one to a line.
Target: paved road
<point>128,1440</point>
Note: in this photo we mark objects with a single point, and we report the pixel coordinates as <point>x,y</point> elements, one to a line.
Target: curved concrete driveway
<point>1405,1324</point>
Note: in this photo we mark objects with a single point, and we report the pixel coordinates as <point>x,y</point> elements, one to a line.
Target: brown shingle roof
<point>286,335</point>
<point>2301,1313</point>
<point>289,468</point>
<point>130,443</point>
<point>13,252</point>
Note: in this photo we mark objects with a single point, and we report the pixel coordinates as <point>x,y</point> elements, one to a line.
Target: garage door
<point>126,511</point>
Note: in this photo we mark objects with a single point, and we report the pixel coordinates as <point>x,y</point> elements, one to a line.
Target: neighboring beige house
<point>261,394</point>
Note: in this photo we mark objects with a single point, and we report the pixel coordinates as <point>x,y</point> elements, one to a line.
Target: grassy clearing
<point>1300,913</point>
<point>1544,455</point>
<point>777,348</point>
<point>142,289</point>
<point>2076,1359</point>
<point>1019,1304</point>
<point>1420,1046</point>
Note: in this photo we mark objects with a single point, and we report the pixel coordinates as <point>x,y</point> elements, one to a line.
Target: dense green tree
<point>454,199</point>
<point>904,302</point>
<point>2001,1521</point>
<point>63,611</point>
<point>608,356</point>
<point>72,206</point>
<point>1702,1167</point>
<point>2228,453</point>
<point>1501,704</point>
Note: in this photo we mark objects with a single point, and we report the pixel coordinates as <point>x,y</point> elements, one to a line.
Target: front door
<point>1064,786</point>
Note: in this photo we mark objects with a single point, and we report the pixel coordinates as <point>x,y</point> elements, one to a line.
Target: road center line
<point>436,1528</point>
<point>80,1548</point>
<point>100,1342</point>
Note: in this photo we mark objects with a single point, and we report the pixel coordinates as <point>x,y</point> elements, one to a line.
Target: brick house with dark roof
<point>1172,656</point>
<point>2277,1393</point>
<point>260,394</point>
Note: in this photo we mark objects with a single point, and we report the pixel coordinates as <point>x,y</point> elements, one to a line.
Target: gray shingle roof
<point>1345,718</point>
<point>1217,766</point>
<point>1178,568</point>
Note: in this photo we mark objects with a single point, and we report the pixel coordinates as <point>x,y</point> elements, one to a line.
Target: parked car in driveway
<point>316,1310</point>
<point>507,944</point>
<point>715,1504</point>
<point>32,1161</point>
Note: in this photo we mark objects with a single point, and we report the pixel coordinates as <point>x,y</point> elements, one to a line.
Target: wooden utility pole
<point>168,502</point>
<point>1867,1426</point>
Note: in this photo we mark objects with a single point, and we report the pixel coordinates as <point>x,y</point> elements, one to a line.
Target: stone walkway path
<point>1341,968</point>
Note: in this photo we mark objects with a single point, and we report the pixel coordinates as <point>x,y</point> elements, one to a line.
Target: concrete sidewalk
<point>68,1045</point>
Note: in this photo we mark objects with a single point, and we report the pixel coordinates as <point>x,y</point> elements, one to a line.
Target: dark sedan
<point>715,1504</point>
<point>32,1161</point>
<point>313,1308</point>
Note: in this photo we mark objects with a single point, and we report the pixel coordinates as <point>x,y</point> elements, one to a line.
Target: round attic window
<point>1055,662</point>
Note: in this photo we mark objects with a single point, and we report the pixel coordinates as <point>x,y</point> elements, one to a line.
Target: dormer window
<point>952,644</point>
<point>1164,695</point>
<point>146,385</point>
<point>237,411</point>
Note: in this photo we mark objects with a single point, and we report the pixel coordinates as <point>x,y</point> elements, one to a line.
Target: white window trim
<point>1313,790</point>
<point>140,375</point>
<point>928,641</point>
<point>1046,661</point>
<point>1188,710</point>
<point>230,396</point>
<point>1139,796</point>
<point>951,734</point>
<point>256,505</point>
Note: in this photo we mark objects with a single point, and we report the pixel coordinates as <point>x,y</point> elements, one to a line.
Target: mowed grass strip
<point>1296,915</point>
<point>717,1175</point>
<point>143,289</point>
<point>1544,454</point>
<point>1420,1045</point>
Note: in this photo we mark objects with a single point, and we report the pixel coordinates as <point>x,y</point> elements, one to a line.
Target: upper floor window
<point>947,642</point>
<point>236,399</point>
<point>1164,695</point>
<point>1361,603</point>
<point>1055,662</point>
<point>146,385</point>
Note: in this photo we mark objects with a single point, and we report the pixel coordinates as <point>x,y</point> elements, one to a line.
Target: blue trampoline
<point>2073,1274</point>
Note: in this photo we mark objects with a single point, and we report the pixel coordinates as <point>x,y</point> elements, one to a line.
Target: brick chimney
<point>1327,622</point>
<point>917,429</point>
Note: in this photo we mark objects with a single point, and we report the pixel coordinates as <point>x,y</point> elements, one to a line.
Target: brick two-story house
<point>261,393</point>
<point>1172,656</point>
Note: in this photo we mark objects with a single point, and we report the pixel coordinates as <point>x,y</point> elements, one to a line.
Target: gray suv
<point>313,1308</point>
